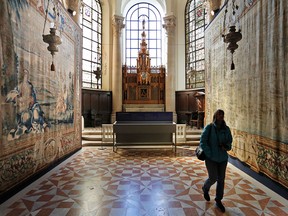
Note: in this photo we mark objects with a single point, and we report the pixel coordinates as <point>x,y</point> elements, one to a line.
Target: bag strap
<point>211,125</point>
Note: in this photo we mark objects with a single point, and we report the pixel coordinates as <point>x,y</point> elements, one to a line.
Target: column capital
<point>170,24</point>
<point>117,22</point>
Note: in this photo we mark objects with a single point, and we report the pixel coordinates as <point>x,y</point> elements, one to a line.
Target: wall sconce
<point>215,12</point>
<point>72,12</point>
<point>233,36</point>
<point>52,39</point>
<point>97,64</point>
<point>98,73</point>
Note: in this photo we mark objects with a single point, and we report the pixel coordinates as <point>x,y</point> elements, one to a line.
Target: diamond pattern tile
<point>142,182</point>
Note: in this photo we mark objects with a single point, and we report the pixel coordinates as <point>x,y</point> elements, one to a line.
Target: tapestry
<point>39,105</point>
<point>254,96</point>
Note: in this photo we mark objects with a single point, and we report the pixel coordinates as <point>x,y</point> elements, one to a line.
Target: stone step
<point>93,137</point>
<point>193,142</point>
<point>94,143</point>
<point>98,130</point>
<point>88,133</point>
<point>192,137</point>
<point>92,131</point>
<point>194,131</point>
<point>98,136</point>
<point>99,143</point>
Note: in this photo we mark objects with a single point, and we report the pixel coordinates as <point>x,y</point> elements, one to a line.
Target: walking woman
<point>216,140</point>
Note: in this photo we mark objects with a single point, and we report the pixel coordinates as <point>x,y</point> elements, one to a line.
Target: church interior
<point>148,72</point>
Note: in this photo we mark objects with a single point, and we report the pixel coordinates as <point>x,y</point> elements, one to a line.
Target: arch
<point>126,4</point>
<point>134,28</point>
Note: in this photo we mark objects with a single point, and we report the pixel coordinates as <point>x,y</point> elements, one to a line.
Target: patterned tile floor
<point>134,182</point>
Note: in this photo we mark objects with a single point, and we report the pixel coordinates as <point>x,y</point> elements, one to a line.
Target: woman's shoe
<point>220,206</point>
<point>206,194</point>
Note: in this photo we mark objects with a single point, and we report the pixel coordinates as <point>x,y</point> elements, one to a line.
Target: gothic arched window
<point>195,22</point>
<point>91,23</point>
<point>133,29</point>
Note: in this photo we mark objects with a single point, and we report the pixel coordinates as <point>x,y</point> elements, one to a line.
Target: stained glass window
<point>91,23</point>
<point>195,22</point>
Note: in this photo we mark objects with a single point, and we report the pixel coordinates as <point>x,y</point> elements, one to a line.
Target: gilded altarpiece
<point>254,95</point>
<point>143,84</point>
<point>39,106</point>
<point>150,91</point>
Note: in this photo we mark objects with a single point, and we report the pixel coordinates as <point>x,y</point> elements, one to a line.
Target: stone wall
<point>254,96</point>
<point>40,116</point>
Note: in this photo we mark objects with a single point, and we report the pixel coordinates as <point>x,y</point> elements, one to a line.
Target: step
<point>193,131</point>
<point>193,137</point>
<point>97,130</point>
<point>91,132</point>
<point>93,137</point>
<point>95,143</point>
<point>192,143</point>
<point>99,143</point>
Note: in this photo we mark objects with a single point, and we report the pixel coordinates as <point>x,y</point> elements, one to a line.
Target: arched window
<point>133,29</point>
<point>195,22</point>
<point>91,23</point>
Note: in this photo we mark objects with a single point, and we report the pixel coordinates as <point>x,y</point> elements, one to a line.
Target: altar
<point>150,129</point>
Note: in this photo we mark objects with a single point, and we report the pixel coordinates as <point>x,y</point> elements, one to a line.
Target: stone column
<point>213,5</point>
<point>75,6</point>
<point>170,26</point>
<point>117,22</point>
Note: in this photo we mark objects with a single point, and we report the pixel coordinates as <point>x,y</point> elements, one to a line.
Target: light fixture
<point>52,39</point>
<point>215,12</point>
<point>233,36</point>
<point>72,12</point>
<point>97,63</point>
<point>98,73</point>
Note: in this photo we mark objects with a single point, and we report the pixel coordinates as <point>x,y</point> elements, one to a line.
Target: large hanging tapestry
<point>39,104</point>
<point>254,96</point>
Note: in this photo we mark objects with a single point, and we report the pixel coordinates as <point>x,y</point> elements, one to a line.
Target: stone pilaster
<point>170,26</point>
<point>212,6</point>
<point>117,22</point>
<point>75,6</point>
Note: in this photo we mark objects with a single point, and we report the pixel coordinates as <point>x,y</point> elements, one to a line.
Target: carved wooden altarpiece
<point>143,84</point>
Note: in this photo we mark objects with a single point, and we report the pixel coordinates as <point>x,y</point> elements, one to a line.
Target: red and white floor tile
<point>142,182</point>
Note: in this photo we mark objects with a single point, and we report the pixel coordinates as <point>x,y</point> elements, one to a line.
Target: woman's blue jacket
<point>212,140</point>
